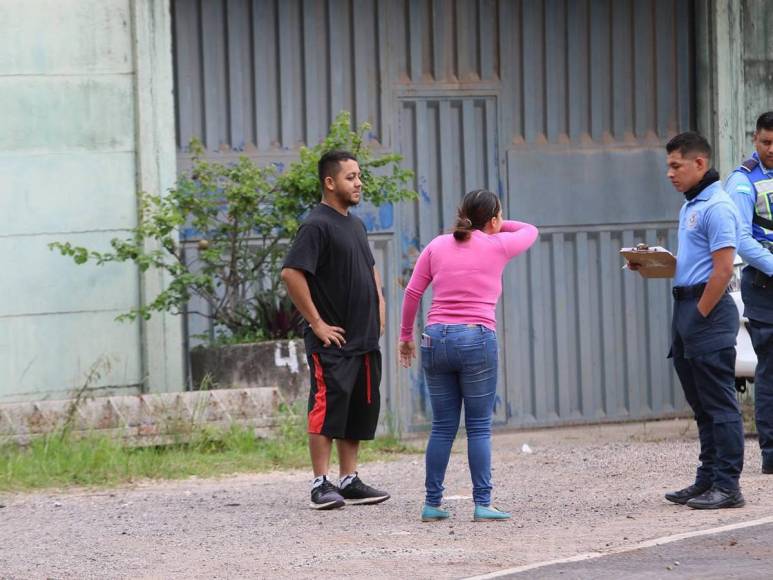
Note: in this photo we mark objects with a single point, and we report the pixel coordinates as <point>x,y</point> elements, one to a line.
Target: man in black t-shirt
<point>331,277</point>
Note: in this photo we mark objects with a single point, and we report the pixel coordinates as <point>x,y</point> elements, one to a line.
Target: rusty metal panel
<point>451,142</point>
<point>261,76</point>
<point>440,42</point>
<point>598,87</point>
<point>602,71</point>
<point>561,106</point>
<point>585,340</point>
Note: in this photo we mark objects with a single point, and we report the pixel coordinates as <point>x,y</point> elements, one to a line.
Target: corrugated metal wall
<point>561,106</point>
<point>267,75</point>
<point>586,340</point>
<point>597,88</point>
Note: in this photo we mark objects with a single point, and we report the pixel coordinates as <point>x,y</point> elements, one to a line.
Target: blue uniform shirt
<point>744,194</point>
<point>707,223</point>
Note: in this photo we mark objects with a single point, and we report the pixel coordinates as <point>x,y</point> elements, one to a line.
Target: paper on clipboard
<point>655,261</point>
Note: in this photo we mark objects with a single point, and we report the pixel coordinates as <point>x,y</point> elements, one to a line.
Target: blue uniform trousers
<point>758,303</point>
<point>703,352</point>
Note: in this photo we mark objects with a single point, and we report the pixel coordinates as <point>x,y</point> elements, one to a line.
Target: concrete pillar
<point>67,174</point>
<point>720,81</point>
<point>161,336</point>
<point>757,26</point>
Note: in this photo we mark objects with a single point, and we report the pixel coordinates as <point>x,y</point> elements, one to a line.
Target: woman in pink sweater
<point>459,344</point>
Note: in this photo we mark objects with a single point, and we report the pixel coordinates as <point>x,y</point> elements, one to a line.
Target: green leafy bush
<point>243,215</point>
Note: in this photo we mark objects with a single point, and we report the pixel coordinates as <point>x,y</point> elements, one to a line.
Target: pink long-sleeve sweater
<point>466,277</point>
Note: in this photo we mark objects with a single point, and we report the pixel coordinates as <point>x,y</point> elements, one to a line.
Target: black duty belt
<point>688,292</point>
<point>761,280</point>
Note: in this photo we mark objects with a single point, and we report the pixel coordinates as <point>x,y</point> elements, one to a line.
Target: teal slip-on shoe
<point>433,514</point>
<point>485,513</point>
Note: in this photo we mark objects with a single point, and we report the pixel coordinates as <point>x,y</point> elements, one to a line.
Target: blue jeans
<point>460,364</point>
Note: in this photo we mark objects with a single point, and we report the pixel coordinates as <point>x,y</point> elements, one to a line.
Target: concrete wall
<point>85,95</point>
<point>276,364</point>
<point>734,74</point>
<point>757,27</point>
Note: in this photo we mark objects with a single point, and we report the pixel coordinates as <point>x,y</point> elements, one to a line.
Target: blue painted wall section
<point>377,219</point>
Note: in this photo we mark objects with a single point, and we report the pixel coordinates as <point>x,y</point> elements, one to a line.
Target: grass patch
<point>59,460</point>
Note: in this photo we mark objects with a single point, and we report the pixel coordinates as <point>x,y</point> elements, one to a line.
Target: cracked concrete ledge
<point>148,419</point>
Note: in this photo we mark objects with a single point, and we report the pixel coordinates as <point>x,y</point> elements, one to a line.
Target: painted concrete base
<point>149,419</point>
<point>280,363</point>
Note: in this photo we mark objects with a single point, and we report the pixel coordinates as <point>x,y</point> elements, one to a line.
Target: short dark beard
<point>347,201</point>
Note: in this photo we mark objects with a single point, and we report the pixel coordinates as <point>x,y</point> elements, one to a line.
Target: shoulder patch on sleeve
<point>750,164</point>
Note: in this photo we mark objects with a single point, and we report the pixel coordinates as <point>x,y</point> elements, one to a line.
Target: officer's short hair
<point>688,143</point>
<point>765,122</point>
<point>330,163</point>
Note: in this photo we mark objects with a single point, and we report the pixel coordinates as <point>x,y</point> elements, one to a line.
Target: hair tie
<point>467,222</point>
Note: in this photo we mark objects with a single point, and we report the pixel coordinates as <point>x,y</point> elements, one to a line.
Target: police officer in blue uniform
<point>751,188</point>
<point>705,323</point>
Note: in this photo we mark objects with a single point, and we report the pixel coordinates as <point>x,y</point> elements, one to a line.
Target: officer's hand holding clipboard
<point>650,261</point>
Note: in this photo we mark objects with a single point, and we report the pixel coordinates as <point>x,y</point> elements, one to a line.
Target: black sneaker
<point>326,496</point>
<point>683,495</point>
<point>767,467</point>
<point>359,493</point>
<point>717,498</point>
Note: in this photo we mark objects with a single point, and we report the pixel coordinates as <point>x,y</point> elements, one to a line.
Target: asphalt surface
<point>745,553</point>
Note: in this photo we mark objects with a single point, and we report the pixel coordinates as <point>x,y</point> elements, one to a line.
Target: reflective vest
<point>762,224</point>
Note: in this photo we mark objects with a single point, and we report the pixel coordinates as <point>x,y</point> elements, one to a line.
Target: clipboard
<point>656,261</point>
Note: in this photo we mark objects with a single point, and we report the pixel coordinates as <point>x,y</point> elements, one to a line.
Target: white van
<point>745,360</point>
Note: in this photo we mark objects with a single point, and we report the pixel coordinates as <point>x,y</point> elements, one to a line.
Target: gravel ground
<point>580,489</point>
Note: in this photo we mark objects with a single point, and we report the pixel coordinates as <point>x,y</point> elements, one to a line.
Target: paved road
<point>745,553</point>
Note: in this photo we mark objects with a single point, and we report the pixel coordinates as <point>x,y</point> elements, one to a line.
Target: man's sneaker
<point>717,498</point>
<point>326,496</point>
<point>767,467</point>
<point>689,492</point>
<point>359,493</point>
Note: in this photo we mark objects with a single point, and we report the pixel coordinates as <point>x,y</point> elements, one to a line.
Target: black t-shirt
<point>333,251</point>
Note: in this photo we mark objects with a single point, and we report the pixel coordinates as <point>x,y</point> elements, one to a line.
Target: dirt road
<point>580,490</point>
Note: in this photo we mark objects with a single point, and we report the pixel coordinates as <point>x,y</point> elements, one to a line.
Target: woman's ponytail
<point>477,209</point>
<point>462,229</point>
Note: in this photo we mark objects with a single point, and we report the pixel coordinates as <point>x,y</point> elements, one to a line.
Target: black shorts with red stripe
<point>344,401</point>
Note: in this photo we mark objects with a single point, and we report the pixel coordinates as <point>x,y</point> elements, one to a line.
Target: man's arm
<point>381,302</point>
<point>721,273</point>
<point>298,289</point>
<point>741,191</point>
